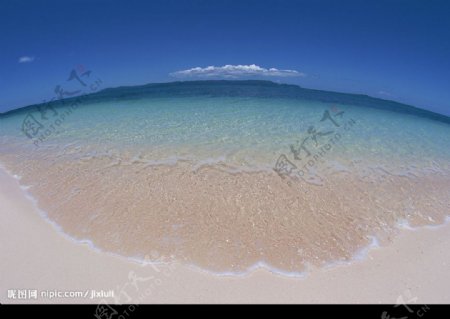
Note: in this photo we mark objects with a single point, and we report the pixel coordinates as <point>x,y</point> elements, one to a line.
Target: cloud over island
<point>235,71</point>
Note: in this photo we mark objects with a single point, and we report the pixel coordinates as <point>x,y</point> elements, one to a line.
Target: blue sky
<point>396,49</point>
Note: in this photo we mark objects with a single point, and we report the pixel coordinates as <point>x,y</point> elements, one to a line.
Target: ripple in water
<point>191,175</point>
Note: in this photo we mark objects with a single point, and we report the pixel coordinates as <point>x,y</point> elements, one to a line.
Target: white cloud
<point>385,93</point>
<point>26,59</point>
<point>235,71</point>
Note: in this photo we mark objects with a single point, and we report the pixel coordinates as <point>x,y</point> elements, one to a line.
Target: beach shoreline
<point>36,257</point>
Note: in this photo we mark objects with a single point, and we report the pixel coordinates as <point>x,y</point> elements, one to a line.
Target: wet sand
<point>225,222</point>
<point>35,255</point>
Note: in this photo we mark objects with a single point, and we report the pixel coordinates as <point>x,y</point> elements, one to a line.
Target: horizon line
<point>224,80</point>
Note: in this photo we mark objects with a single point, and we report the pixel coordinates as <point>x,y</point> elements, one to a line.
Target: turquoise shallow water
<point>187,169</point>
<point>247,133</point>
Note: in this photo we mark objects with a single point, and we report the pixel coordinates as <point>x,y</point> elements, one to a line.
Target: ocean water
<point>226,177</point>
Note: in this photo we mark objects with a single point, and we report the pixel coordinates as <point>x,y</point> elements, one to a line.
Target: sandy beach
<point>225,152</point>
<point>37,257</point>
